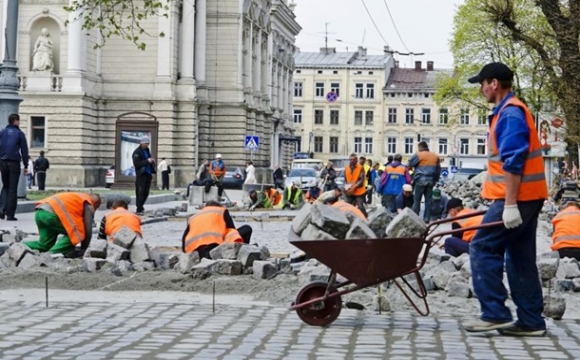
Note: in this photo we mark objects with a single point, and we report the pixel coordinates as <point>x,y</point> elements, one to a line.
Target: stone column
<point>187,40</point>
<point>289,89</point>
<point>274,88</point>
<point>165,55</point>
<point>75,41</point>
<point>280,87</point>
<point>200,41</point>
<point>258,67</point>
<point>248,56</point>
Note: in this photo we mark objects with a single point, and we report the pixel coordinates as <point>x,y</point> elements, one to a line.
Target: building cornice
<point>283,13</point>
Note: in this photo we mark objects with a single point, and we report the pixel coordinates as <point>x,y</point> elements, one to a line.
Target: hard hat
<point>218,156</point>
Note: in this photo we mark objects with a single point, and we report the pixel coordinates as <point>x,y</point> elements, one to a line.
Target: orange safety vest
<point>566,229</point>
<point>398,170</point>
<point>275,196</point>
<point>205,228</point>
<point>533,185</point>
<point>469,222</point>
<point>121,217</point>
<point>347,208</point>
<point>232,235</point>
<point>69,206</point>
<point>351,177</point>
<point>427,158</point>
<point>217,171</point>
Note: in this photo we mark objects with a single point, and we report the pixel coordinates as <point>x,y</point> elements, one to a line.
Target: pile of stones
<point>467,190</point>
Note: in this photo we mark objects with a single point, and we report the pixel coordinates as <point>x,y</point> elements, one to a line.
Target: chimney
<point>387,49</point>
<point>430,65</point>
<point>327,50</point>
<point>417,65</point>
<point>362,51</point>
<point>396,63</point>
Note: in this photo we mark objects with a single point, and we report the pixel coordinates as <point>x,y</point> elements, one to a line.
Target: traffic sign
<point>444,173</point>
<point>331,96</point>
<point>252,142</point>
<point>453,169</point>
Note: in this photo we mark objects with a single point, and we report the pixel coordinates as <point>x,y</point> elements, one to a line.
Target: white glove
<point>511,216</point>
<point>292,207</point>
<point>253,207</point>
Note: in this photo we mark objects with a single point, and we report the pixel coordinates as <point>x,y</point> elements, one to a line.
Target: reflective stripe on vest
<point>352,178</point>
<point>533,179</point>
<point>69,208</point>
<point>205,228</point>
<point>120,218</point>
<point>566,229</point>
<point>347,208</point>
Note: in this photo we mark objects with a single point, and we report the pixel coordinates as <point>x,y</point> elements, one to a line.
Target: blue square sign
<point>252,143</point>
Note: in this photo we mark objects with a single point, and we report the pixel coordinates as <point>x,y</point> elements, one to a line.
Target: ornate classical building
<point>196,91</point>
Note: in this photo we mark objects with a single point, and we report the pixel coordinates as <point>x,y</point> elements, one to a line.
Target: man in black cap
<point>517,186</point>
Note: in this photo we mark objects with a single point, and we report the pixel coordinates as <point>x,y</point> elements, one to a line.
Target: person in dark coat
<point>41,165</point>
<point>144,169</point>
<point>278,178</point>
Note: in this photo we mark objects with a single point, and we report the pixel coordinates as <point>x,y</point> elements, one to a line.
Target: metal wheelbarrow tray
<point>366,263</point>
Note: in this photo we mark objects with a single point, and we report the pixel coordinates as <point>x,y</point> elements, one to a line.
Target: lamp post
<point>9,97</point>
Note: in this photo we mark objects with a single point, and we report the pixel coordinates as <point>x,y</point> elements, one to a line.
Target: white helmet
<point>218,156</point>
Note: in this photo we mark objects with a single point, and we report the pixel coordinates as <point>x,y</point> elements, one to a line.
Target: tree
<point>122,18</point>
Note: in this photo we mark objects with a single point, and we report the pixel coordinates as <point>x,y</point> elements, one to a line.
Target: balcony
<point>40,83</point>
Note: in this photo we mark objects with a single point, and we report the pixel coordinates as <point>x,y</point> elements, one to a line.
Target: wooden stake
<point>213,298</point>
<point>46,289</point>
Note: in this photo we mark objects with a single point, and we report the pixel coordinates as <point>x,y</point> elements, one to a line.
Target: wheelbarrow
<point>365,263</point>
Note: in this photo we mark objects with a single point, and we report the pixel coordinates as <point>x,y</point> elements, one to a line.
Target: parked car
<point>110,177</point>
<point>233,179</point>
<point>339,180</point>
<point>304,176</point>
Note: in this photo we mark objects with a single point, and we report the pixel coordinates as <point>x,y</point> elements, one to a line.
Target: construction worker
<point>439,205</point>
<point>404,199</point>
<point>354,188</point>
<point>313,192</point>
<point>392,181</point>
<point>273,194</point>
<point>70,214</point>
<point>343,206</point>
<point>366,167</point>
<point>566,236</point>
<point>517,186</point>
<point>211,227</point>
<point>258,200</point>
<point>292,197</point>
<point>217,171</point>
<point>459,243</point>
<point>118,218</point>
<point>427,171</point>
<point>568,191</point>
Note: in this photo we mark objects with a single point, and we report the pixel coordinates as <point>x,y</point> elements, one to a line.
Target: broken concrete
<point>407,224</point>
<point>548,267</point>
<point>330,220</point>
<point>360,230</point>
<point>302,219</point>
<point>379,220</point>
<point>124,237</point>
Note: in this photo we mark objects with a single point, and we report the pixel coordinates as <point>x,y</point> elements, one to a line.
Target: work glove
<point>253,207</point>
<point>511,216</point>
<point>292,207</point>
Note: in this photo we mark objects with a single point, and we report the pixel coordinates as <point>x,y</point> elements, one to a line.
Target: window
<point>426,95</point>
<point>426,140</point>
<point>358,91</point>
<point>391,145</point>
<point>318,144</point>
<point>369,117</point>
<point>464,149</point>
<point>297,116</point>
<point>443,116</point>
<point>371,73</point>
<point>298,71</point>
<point>334,144</point>
<point>368,145</point>
<point>37,131</point>
<point>335,72</point>
<point>409,145</point>
<point>410,95</point>
<point>480,146</point>
<point>443,146</point>
<point>357,144</point>
<point>333,117</point>
<point>464,117</point>
<point>320,71</point>
<point>297,89</point>
<point>481,117</point>
<point>392,119</point>
<point>393,94</point>
<point>319,89</point>
<point>426,115</point>
<point>409,115</point>
<point>318,116</point>
<point>370,91</point>
<point>358,115</point>
<point>336,88</point>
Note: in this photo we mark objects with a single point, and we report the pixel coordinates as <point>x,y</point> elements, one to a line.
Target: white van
<point>315,164</point>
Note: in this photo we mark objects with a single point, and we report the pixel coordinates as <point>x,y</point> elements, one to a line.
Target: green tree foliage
<point>118,18</point>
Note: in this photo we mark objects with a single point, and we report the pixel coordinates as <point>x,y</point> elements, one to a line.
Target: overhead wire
<point>395,26</point>
<point>374,23</point>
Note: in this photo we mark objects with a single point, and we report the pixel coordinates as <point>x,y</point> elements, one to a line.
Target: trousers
<point>49,229</point>
<point>10,171</point>
<point>142,186</point>
<point>455,246</point>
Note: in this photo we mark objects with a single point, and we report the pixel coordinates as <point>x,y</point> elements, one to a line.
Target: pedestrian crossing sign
<point>252,143</point>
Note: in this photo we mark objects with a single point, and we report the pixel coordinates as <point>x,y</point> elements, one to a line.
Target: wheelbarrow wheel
<point>322,313</point>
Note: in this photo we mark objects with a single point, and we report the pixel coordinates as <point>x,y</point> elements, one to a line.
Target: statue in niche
<point>42,54</point>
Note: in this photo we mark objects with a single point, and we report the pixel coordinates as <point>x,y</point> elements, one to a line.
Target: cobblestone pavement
<point>91,331</point>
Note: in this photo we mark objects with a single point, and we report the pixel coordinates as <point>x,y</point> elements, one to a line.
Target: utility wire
<point>373,21</point>
<point>395,26</point>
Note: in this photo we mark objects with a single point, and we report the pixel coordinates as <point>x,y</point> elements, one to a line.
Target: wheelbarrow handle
<point>434,224</point>
<point>440,234</point>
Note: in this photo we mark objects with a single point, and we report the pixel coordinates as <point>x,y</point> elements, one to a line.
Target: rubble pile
<point>469,191</point>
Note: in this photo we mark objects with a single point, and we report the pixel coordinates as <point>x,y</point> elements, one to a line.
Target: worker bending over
<point>566,236</point>
<point>459,244</point>
<point>118,218</point>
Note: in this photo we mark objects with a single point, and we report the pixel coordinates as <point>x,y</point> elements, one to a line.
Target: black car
<point>233,179</point>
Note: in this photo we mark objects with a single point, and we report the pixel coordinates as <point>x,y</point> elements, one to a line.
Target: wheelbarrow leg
<point>422,294</point>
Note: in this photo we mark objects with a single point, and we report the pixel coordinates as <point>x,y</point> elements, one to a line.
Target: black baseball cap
<point>453,203</point>
<point>494,70</point>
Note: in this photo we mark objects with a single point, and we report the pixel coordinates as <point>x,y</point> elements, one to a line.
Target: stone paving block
<point>379,220</point>
<point>567,270</point>
<point>3,248</point>
<point>187,262</point>
<point>248,254</point>
<point>312,232</point>
<point>554,306</point>
<point>148,265</point>
<point>228,251</point>
<point>360,230</point>
<point>45,259</point>
<point>563,285</point>
<point>226,267</point>
<point>16,251</point>
<point>548,267</point>
<point>264,269</point>
<point>203,269</point>
<point>466,270</point>
<point>27,261</point>
<point>441,278</point>
<point>124,237</point>
<point>459,289</point>
<point>97,249</point>
<point>121,268</point>
<point>116,253</point>
<point>302,219</point>
<point>406,224</point>
<point>460,261</point>
<point>163,260</point>
<point>139,251</point>
<point>437,255</point>
<point>330,220</point>
<point>265,253</point>
<point>60,264</point>
<point>93,264</point>
<point>285,266</point>
<point>576,285</point>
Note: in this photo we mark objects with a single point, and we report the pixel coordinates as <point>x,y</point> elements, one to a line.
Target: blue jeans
<point>422,187</point>
<point>455,246</point>
<point>487,251</point>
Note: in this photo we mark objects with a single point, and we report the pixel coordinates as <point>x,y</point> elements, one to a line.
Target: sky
<point>424,26</point>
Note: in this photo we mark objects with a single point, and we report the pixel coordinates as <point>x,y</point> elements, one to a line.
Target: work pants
<point>455,246</point>
<point>165,180</point>
<point>494,246</point>
<point>423,187</point>
<point>9,196</point>
<point>388,202</point>
<point>570,253</point>
<point>49,228</point>
<point>142,186</point>
<point>358,201</point>
<point>41,177</point>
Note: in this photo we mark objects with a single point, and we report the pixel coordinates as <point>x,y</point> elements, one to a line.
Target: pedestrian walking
<point>278,178</point>
<point>144,169</point>
<point>13,151</point>
<point>427,170</point>
<point>517,186</point>
<point>165,170</point>
<point>41,165</point>
<point>250,173</point>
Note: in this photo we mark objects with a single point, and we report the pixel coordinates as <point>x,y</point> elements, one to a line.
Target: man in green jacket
<point>259,200</point>
<point>293,198</point>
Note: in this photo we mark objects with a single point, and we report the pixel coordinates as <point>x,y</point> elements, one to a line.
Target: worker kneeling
<point>344,207</point>
<point>566,236</point>
<point>211,227</point>
<point>459,244</point>
<point>118,218</point>
<point>69,214</point>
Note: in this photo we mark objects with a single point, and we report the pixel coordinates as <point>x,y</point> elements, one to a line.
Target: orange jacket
<point>352,177</point>
<point>69,207</point>
<point>566,229</point>
<point>209,227</point>
<point>232,235</point>
<point>217,170</point>
<point>469,222</point>
<point>347,208</point>
<point>533,185</point>
<point>275,196</point>
<point>121,217</point>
